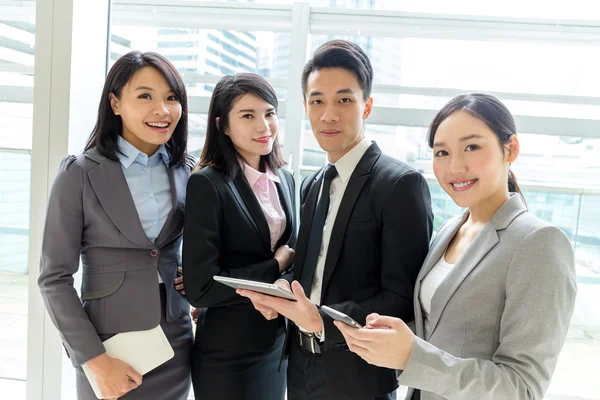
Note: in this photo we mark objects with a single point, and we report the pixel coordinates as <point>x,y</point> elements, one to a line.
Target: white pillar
<point>70,65</point>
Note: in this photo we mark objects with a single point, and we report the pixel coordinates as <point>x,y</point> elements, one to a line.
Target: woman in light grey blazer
<point>496,292</point>
<point>119,207</point>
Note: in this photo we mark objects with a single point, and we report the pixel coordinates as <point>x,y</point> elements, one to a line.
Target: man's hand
<point>268,312</point>
<point>113,377</point>
<point>384,342</point>
<point>302,311</point>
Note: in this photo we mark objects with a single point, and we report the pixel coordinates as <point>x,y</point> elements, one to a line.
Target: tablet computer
<point>261,287</point>
<point>339,316</point>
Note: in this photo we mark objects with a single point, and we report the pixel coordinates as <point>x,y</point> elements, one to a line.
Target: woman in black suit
<point>240,223</point>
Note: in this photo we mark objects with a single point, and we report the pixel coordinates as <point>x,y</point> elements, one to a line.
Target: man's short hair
<point>341,54</point>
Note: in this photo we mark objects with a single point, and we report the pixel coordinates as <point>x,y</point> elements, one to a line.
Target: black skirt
<point>226,375</point>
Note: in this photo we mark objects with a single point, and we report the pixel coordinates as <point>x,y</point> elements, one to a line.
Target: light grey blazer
<point>500,318</point>
<point>91,215</point>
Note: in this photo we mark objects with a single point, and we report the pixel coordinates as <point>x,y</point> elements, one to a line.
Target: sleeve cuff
<point>321,335</point>
<point>318,335</point>
<point>284,280</point>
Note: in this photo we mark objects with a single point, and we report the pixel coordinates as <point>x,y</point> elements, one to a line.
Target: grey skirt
<point>170,381</point>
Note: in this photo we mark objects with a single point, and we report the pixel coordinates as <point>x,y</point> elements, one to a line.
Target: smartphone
<point>339,316</point>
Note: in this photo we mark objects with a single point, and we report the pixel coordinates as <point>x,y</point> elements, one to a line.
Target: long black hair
<point>219,151</point>
<point>109,126</point>
<point>488,109</point>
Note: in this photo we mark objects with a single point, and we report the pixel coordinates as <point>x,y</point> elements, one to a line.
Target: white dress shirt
<point>345,167</point>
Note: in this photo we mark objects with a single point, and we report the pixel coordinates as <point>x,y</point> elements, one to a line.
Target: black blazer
<point>379,240</point>
<point>226,233</point>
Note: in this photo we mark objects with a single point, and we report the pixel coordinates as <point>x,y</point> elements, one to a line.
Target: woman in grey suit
<point>496,292</point>
<point>119,207</point>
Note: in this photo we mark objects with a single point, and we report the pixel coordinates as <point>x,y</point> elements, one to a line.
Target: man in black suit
<point>365,227</point>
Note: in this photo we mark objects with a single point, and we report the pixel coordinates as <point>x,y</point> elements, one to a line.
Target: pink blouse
<point>263,185</point>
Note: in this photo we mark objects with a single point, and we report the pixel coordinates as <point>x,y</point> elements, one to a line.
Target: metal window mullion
<point>241,16</point>
<point>555,126</point>
<point>293,106</point>
<point>419,25</point>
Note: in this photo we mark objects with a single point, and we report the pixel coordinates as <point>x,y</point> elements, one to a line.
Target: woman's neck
<point>482,212</point>
<point>253,160</point>
<point>147,148</point>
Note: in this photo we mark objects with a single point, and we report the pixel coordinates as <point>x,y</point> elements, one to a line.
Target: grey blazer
<point>91,215</point>
<point>500,318</point>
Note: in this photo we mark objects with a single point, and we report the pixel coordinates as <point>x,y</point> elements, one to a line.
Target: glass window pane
<point>564,160</point>
<point>199,52</point>
<point>196,133</point>
<point>312,154</point>
<point>587,251</point>
<point>479,65</point>
<point>492,65</point>
<point>544,160</point>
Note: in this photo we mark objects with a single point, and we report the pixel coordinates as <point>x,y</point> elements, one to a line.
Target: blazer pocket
<point>361,226</point>
<point>479,340</point>
<point>98,285</point>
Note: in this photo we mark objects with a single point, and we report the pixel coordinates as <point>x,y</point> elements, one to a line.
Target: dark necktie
<point>316,231</point>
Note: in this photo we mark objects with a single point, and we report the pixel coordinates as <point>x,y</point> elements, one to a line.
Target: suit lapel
<point>475,252</point>
<point>440,244</point>
<point>247,200</point>
<point>437,248</point>
<point>357,181</point>
<point>178,178</point>
<point>109,184</point>
<point>485,241</point>
<point>285,198</point>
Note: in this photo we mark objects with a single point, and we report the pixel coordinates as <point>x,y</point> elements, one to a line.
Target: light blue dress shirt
<point>149,184</point>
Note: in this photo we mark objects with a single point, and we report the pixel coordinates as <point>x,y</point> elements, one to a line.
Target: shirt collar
<point>345,166</point>
<point>129,154</point>
<point>252,175</point>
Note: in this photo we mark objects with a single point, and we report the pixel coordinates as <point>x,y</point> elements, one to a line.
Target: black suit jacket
<point>379,240</point>
<point>226,234</point>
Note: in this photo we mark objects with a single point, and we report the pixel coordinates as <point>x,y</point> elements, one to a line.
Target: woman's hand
<point>114,377</point>
<point>285,257</point>
<point>194,313</point>
<point>384,341</point>
<point>178,282</point>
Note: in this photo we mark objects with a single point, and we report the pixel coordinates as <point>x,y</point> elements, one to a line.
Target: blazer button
<point>154,252</point>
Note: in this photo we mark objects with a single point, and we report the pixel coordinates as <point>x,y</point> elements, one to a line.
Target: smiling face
<point>336,109</point>
<point>469,162</point>
<point>149,110</point>
<point>253,126</point>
